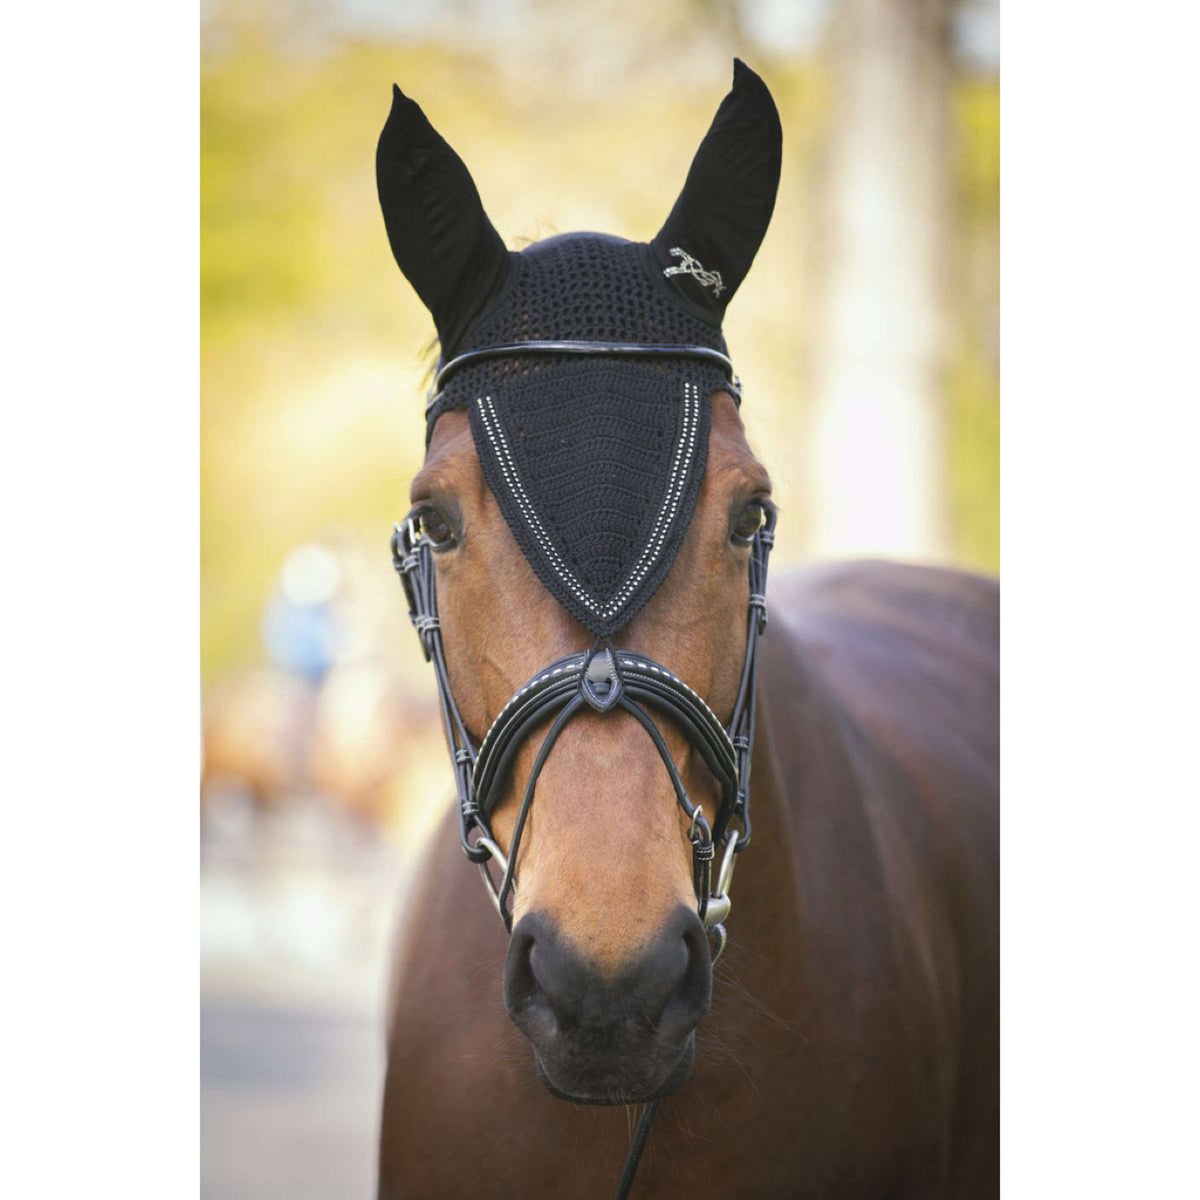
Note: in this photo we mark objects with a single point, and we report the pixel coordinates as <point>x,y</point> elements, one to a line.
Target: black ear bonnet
<point>595,461</point>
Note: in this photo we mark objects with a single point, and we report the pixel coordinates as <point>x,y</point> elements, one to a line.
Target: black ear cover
<point>439,233</point>
<point>708,242</point>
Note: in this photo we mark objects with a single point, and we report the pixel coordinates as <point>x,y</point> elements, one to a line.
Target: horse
<point>844,1041</point>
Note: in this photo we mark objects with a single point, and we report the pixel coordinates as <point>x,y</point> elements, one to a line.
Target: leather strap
<point>590,349</point>
<point>641,678</point>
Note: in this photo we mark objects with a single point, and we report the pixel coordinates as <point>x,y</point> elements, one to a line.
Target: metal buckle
<point>725,875</point>
<point>490,846</point>
<point>720,903</point>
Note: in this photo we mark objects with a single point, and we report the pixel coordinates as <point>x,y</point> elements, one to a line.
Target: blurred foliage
<point>972,382</point>
<point>312,345</point>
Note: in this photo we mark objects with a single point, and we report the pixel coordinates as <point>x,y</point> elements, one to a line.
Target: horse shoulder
<point>881,695</point>
<point>907,659</point>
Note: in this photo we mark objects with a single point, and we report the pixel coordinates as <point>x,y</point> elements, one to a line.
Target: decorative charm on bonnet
<point>687,265</point>
<point>587,364</point>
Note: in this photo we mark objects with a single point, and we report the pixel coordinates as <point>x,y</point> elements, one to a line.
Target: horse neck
<point>763,954</point>
<point>811,923</point>
<point>788,924</point>
<point>764,882</point>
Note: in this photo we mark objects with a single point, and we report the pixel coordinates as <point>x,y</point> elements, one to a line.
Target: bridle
<point>646,350</point>
<point>602,679</point>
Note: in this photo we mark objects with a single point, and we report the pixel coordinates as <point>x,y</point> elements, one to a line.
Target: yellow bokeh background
<point>315,352</point>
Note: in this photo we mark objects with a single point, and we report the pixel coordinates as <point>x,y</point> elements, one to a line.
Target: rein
<point>602,679</point>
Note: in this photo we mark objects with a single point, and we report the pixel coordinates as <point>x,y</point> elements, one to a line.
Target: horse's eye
<point>436,528</point>
<point>748,523</point>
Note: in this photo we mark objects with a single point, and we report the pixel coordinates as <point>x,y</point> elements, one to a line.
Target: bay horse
<point>846,1042</point>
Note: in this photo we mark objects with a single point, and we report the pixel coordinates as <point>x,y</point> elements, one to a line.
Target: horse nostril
<point>520,984</point>
<point>691,992</point>
<point>544,982</point>
<point>655,981</point>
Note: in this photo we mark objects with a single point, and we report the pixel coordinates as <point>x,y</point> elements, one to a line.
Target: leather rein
<point>602,679</point>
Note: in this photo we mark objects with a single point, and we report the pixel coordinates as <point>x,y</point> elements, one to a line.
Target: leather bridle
<point>602,679</point>
<point>557,349</point>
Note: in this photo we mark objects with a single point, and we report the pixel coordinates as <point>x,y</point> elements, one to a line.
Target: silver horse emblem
<point>690,266</point>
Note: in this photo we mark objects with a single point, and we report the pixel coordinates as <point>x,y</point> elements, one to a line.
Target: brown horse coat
<point>852,1046</point>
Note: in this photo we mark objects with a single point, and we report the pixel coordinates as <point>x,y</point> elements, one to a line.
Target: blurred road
<point>289,1101</point>
<point>297,906</point>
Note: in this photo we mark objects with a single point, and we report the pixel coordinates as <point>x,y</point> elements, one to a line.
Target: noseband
<point>602,679</point>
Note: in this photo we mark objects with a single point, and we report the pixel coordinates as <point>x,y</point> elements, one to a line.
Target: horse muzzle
<point>604,1039</point>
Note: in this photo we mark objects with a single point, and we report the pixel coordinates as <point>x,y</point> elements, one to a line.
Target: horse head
<point>594,513</point>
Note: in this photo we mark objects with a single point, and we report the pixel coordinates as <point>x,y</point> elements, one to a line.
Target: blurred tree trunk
<point>878,461</point>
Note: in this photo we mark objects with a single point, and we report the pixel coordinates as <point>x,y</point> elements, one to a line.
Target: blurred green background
<point>312,366</point>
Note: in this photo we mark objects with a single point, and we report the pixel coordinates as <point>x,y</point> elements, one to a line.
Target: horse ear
<point>441,237</point>
<point>709,241</point>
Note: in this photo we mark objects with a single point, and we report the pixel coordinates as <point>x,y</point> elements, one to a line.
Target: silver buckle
<point>719,903</point>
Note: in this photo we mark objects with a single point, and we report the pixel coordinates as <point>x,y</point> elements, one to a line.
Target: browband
<point>605,349</point>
